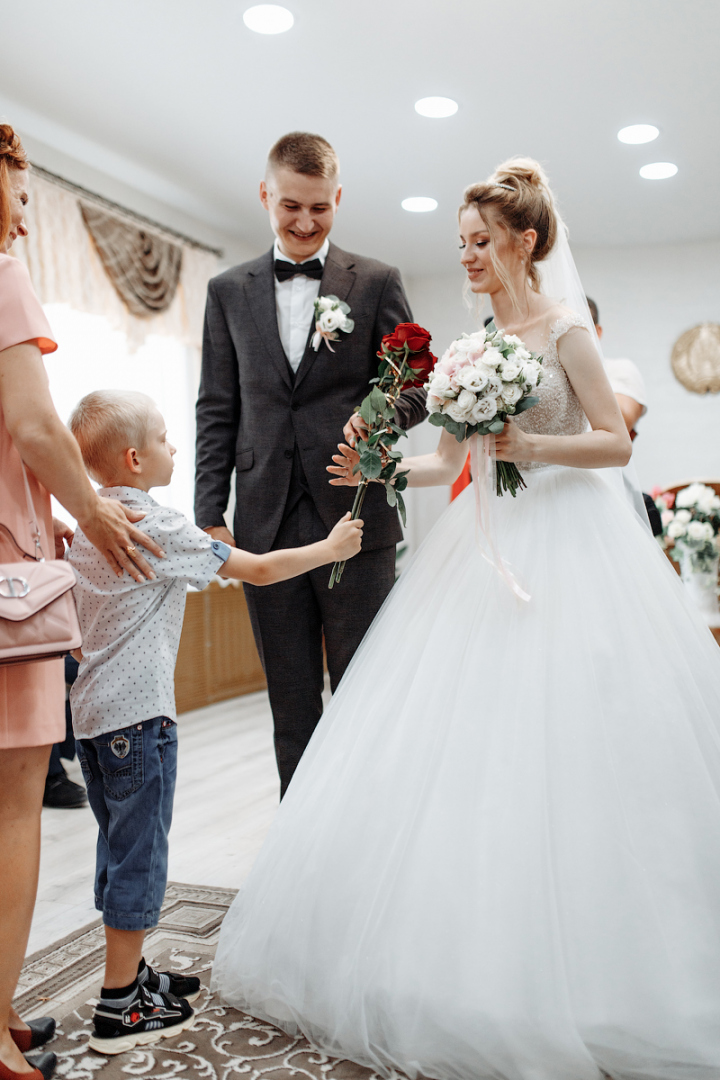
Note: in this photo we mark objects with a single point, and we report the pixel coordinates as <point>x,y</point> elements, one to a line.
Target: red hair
<point>12,156</point>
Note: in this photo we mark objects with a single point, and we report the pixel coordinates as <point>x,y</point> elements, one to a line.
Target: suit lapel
<point>337,280</point>
<point>260,294</point>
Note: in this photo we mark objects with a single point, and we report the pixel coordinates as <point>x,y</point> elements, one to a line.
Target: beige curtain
<point>66,267</point>
<point>143,266</point>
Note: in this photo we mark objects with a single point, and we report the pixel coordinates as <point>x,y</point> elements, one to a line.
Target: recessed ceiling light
<point>419,205</point>
<point>659,170</point>
<point>638,133</point>
<point>436,107</point>
<point>268,19</point>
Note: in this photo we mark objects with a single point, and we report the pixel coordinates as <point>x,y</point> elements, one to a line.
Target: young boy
<point>123,701</point>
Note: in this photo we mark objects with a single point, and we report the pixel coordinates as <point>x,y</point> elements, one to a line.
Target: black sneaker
<point>62,793</point>
<point>148,1018</point>
<point>168,982</point>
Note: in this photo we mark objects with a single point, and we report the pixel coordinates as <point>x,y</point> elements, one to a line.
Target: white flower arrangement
<point>331,315</point>
<point>691,525</point>
<point>481,380</point>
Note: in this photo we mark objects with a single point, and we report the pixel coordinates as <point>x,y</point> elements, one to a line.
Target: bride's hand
<point>512,444</point>
<point>345,462</point>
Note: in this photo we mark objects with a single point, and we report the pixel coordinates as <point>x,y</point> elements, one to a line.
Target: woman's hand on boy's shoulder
<point>111,530</point>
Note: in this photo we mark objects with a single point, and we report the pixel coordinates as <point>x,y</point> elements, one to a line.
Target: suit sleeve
<point>218,417</point>
<point>393,309</point>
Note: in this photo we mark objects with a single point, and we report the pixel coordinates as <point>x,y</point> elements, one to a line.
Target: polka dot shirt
<point>131,630</point>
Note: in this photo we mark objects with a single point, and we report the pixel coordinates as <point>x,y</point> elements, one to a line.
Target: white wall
<point>647,297</point>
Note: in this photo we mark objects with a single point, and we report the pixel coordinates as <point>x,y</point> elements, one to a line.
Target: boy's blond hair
<point>106,423</point>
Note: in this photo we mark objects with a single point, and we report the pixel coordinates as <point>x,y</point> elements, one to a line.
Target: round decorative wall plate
<point>695,359</point>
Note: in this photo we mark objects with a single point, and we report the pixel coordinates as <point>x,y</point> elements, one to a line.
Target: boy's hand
<point>346,538</point>
<point>62,534</point>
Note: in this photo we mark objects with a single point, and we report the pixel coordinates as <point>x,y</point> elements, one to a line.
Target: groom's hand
<point>220,532</point>
<point>355,429</point>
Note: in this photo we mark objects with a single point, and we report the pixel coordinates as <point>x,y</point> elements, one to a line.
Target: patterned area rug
<point>63,982</point>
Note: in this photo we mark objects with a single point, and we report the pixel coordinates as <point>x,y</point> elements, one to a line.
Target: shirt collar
<point>123,494</point>
<point>322,254</point>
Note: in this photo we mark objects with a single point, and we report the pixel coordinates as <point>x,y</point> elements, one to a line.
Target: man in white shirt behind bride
<point>626,381</point>
<point>628,386</point>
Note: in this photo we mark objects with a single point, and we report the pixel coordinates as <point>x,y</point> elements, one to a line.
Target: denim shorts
<point>130,778</point>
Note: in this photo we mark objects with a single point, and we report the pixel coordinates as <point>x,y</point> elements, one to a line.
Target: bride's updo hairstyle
<point>516,197</point>
<point>12,156</point>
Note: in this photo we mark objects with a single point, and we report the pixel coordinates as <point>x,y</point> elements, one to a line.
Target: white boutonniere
<point>331,315</point>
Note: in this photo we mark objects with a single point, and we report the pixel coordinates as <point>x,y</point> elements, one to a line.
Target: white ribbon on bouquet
<point>484,476</point>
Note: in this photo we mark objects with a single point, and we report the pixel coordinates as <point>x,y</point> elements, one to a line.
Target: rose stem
<point>357,507</point>
<point>337,570</point>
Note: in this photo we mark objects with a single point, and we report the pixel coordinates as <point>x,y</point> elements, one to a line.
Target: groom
<point>273,408</point>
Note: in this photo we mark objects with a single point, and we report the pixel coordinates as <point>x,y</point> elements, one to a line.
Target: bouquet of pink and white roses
<point>481,380</point>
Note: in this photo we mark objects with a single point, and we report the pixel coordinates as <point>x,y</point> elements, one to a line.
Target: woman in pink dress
<point>32,696</point>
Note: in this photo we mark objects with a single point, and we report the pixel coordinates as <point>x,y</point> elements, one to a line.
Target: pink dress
<point>32,696</point>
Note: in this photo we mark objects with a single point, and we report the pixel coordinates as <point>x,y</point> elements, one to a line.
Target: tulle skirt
<point>500,855</point>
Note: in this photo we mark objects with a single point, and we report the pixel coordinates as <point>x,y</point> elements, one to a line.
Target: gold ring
<point>131,550</point>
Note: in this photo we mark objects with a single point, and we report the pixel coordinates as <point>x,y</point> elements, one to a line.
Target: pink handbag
<point>38,620</point>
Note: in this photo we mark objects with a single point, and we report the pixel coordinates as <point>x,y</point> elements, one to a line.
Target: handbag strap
<point>39,555</point>
<point>32,520</point>
<point>25,554</point>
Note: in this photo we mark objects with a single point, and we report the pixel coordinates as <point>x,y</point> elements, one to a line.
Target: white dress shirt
<point>130,629</point>
<point>625,378</point>
<point>294,301</point>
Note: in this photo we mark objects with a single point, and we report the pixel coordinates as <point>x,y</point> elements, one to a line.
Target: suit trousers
<point>289,620</point>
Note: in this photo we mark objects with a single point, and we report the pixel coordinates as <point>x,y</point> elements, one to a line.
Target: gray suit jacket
<point>254,414</point>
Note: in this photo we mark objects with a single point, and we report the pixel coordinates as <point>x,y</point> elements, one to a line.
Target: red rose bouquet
<point>405,360</point>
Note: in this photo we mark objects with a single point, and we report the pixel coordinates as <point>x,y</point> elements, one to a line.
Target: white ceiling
<point>179,99</point>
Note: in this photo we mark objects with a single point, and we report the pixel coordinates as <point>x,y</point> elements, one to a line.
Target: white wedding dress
<point>500,855</point>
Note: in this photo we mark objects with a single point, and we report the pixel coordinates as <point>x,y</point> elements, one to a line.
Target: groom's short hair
<point>302,152</point>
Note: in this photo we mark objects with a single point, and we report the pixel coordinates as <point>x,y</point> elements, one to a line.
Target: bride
<point>500,855</point>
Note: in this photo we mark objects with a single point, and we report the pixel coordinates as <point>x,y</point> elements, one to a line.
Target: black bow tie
<point>286,270</point>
